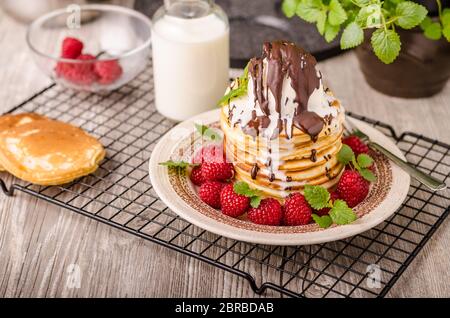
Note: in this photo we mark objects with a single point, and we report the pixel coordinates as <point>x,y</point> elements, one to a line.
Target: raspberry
<point>108,71</point>
<point>210,153</point>
<point>78,73</point>
<point>209,192</point>
<point>71,48</point>
<point>214,171</point>
<point>352,188</point>
<point>296,210</point>
<point>334,196</point>
<point>268,212</point>
<point>356,144</point>
<point>196,176</point>
<point>233,204</point>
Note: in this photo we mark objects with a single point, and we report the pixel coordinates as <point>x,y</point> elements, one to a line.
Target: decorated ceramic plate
<point>174,187</point>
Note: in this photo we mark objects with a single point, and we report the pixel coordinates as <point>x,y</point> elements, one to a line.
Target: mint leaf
<point>317,196</point>
<point>386,45</point>
<point>336,14</point>
<point>369,16</point>
<point>244,189</point>
<point>255,201</point>
<point>208,132</point>
<point>446,32</point>
<point>445,19</point>
<point>364,161</point>
<point>352,36</point>
<point>433,31</point>
<point>239,91</point>
<point>309,10</point>
<point>345,155</point>
<point>341,214</point>
<point>426,22</point>
<point>361,3</point>
<point>289,7</point>
<point>175,164</point>
<point>321,21</point>
<point>331,31</point>
<point>232,94</point>
<point>367,174</point>
<point>323,221</point>
<point>410,14</point>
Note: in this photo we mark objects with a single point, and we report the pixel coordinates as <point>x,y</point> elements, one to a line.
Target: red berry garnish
<point>356,144</point>
<point>296,210</point>
<point>196,176</point>
<point>215,171</point>
<point>233,204</point>
<point>269,212</point>
<point>352,188</point>
<point>209,192</point>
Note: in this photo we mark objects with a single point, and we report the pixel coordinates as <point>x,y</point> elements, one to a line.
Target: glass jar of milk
<point>190,43</point>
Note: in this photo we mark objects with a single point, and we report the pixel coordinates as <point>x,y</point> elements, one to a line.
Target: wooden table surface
<point>38,241</point>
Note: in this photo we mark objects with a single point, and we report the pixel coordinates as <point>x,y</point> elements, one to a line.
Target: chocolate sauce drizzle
<point>285,59</point>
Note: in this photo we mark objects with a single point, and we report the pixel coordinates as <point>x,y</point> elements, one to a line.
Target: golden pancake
<point>295,161</point>
<point>49,152</point>
<point>11,121</point>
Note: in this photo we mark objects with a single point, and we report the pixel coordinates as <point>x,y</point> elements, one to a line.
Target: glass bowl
<point>118,37</point>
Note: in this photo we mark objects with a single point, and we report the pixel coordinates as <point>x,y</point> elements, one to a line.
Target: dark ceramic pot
<point>421,70</point>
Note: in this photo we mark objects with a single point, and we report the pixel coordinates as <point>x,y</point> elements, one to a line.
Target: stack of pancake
<point>46,152</point>
<point>286,131</point>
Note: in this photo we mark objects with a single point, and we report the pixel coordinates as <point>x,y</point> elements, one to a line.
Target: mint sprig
<point>318,198</point>
<point>239,91</point>
<point>362,163</point>
<point>244,189</point>
<point>208,132</point>
<point>383,17</point>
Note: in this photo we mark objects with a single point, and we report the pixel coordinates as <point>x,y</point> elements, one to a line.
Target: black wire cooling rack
<point>120,194</point>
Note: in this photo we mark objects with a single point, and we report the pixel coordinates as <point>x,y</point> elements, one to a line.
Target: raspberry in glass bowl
<point>100,50</point>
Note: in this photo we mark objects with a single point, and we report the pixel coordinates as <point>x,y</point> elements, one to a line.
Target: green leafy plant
<point>355,16</point>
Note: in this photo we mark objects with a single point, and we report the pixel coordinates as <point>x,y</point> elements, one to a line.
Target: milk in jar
<point>190,44</point>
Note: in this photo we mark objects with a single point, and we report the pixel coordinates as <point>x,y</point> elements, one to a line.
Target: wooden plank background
<point>39,241</point>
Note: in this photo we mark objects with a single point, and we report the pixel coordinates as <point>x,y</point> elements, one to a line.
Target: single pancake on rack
<point>46,152</point>
<point>10,121</point>
<point>285,130</point>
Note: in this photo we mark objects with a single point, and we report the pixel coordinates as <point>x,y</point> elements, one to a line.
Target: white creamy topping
<point>242,108</point>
